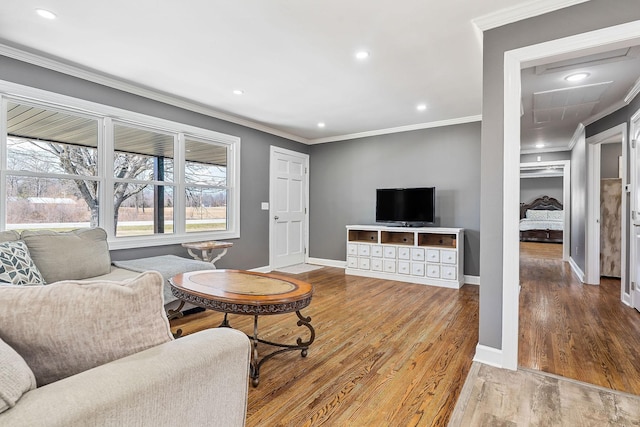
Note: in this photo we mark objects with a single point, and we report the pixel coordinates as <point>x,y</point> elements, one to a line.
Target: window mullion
<point>179,194</point>
<point>105,171</point>
<point>3,162</point>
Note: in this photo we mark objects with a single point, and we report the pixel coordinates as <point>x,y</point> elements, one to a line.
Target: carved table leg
<point>256,363</point>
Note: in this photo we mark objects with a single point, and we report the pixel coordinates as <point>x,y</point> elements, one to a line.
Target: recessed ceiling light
<point>576,77</point>
<point>363,54</point>
<point>421,107</point>
<point>46,14</point>
<point>238,92</point>
<point>321,125</point>
<point>540,145</point>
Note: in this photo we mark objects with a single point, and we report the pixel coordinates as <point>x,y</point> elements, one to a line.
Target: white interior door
<point>635,206</point>
<point>288,207</point>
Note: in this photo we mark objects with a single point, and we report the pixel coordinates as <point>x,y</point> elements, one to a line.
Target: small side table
<point>207,250</point>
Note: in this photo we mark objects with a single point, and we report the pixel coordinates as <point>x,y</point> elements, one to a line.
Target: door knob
<point>276,217</point>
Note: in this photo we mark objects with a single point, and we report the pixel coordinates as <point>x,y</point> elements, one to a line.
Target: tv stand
<point>425,255</point>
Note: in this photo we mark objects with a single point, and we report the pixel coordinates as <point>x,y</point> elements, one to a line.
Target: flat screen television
<point>407,206</point>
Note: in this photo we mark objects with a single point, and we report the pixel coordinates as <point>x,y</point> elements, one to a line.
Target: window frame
<point>107,117</point>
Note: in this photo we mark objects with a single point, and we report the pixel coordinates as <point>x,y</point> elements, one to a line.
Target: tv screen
<point>409,206</point>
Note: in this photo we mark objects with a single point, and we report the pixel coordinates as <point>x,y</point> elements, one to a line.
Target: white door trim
<point>272,150</point>
<point>514,60</point>
<point>566,198</point>
<point>634,258</point>
<point>592,223</point>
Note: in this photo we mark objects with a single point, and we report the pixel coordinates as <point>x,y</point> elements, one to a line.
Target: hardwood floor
<point>578,331</point>
<point>386,353</point>
<point>392,353</point>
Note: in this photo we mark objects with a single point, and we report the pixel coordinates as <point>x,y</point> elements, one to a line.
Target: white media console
<point>425,255</point>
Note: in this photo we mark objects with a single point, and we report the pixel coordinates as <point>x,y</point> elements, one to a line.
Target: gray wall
<point>609,160</point>
<point>252,249</point>
<point>577,19</point>
<point>344,176</point>
<point>621,116</point>
<point>532,188</point>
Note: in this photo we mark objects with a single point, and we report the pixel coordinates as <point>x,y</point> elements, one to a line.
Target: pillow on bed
<point>555,215</point>
<point>538,215</point>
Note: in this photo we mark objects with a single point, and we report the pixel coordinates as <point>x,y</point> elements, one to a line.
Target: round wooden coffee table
<point>247,292</point>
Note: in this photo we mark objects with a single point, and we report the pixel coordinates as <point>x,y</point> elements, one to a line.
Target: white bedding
<point>534,224</point>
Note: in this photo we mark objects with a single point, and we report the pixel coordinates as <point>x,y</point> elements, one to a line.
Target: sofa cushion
<point>72,255</point>
<point>68,327</point>
<point>15,377</point>
<point>16,265</point>
<point>9,236</point>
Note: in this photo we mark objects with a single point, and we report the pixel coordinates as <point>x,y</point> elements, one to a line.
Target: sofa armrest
<point>200,379</point>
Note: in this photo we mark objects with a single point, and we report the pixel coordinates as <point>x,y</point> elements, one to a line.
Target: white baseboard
<point>314,261</point>
<point>488,355</point>
<point>576,269</point>
<point>327,262</point>
<point>471,280</point>
<point>265,269</point>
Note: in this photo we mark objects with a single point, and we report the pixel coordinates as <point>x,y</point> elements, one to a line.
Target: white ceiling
<point>294,60</point>
<point>553,107</point>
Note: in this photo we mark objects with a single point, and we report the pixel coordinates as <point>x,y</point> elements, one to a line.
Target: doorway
<point>595,221</point>
<point>514,61</point>
<point>562,170</point>
<point>288,207</point>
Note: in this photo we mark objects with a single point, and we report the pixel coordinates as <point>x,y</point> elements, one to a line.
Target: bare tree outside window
<point>52,157</point>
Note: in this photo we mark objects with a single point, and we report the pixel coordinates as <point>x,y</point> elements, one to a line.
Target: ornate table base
<point>256,361</point>
<point>257,294</point>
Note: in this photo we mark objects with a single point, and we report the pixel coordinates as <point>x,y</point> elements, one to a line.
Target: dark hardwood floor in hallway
<point>578,331</point>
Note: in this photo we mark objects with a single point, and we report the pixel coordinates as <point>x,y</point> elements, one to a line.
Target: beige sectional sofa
<point>83,254</point>
<point>93,345</point>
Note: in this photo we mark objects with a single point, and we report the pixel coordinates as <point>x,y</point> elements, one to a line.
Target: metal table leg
<point>256,363</point>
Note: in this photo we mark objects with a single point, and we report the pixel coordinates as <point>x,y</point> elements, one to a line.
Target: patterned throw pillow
<point>16,265</point>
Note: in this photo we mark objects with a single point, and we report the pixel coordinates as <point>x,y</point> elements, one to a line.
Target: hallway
<point>578,331</point>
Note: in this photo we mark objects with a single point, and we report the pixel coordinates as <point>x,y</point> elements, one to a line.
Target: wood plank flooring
<point>397,354</point>
<point>578,331</point>
<point>386,354</point>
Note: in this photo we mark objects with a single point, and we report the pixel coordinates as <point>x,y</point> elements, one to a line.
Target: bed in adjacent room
<point>542,220</point>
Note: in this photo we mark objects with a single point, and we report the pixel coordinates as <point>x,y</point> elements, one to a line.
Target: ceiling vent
<point>572,103</point>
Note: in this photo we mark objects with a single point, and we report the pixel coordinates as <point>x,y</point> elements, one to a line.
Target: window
<point>52,177</point>
<point>142,174</point>
<point>165,182</point>
<point>206,189</point>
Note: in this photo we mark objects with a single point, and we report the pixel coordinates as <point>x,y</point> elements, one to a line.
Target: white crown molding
<point>96,77</point>
<point>633,92</point>
<point>519,12</point>
<point>578,134</point>
<point>604,113</point>
<point>441,123</point>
